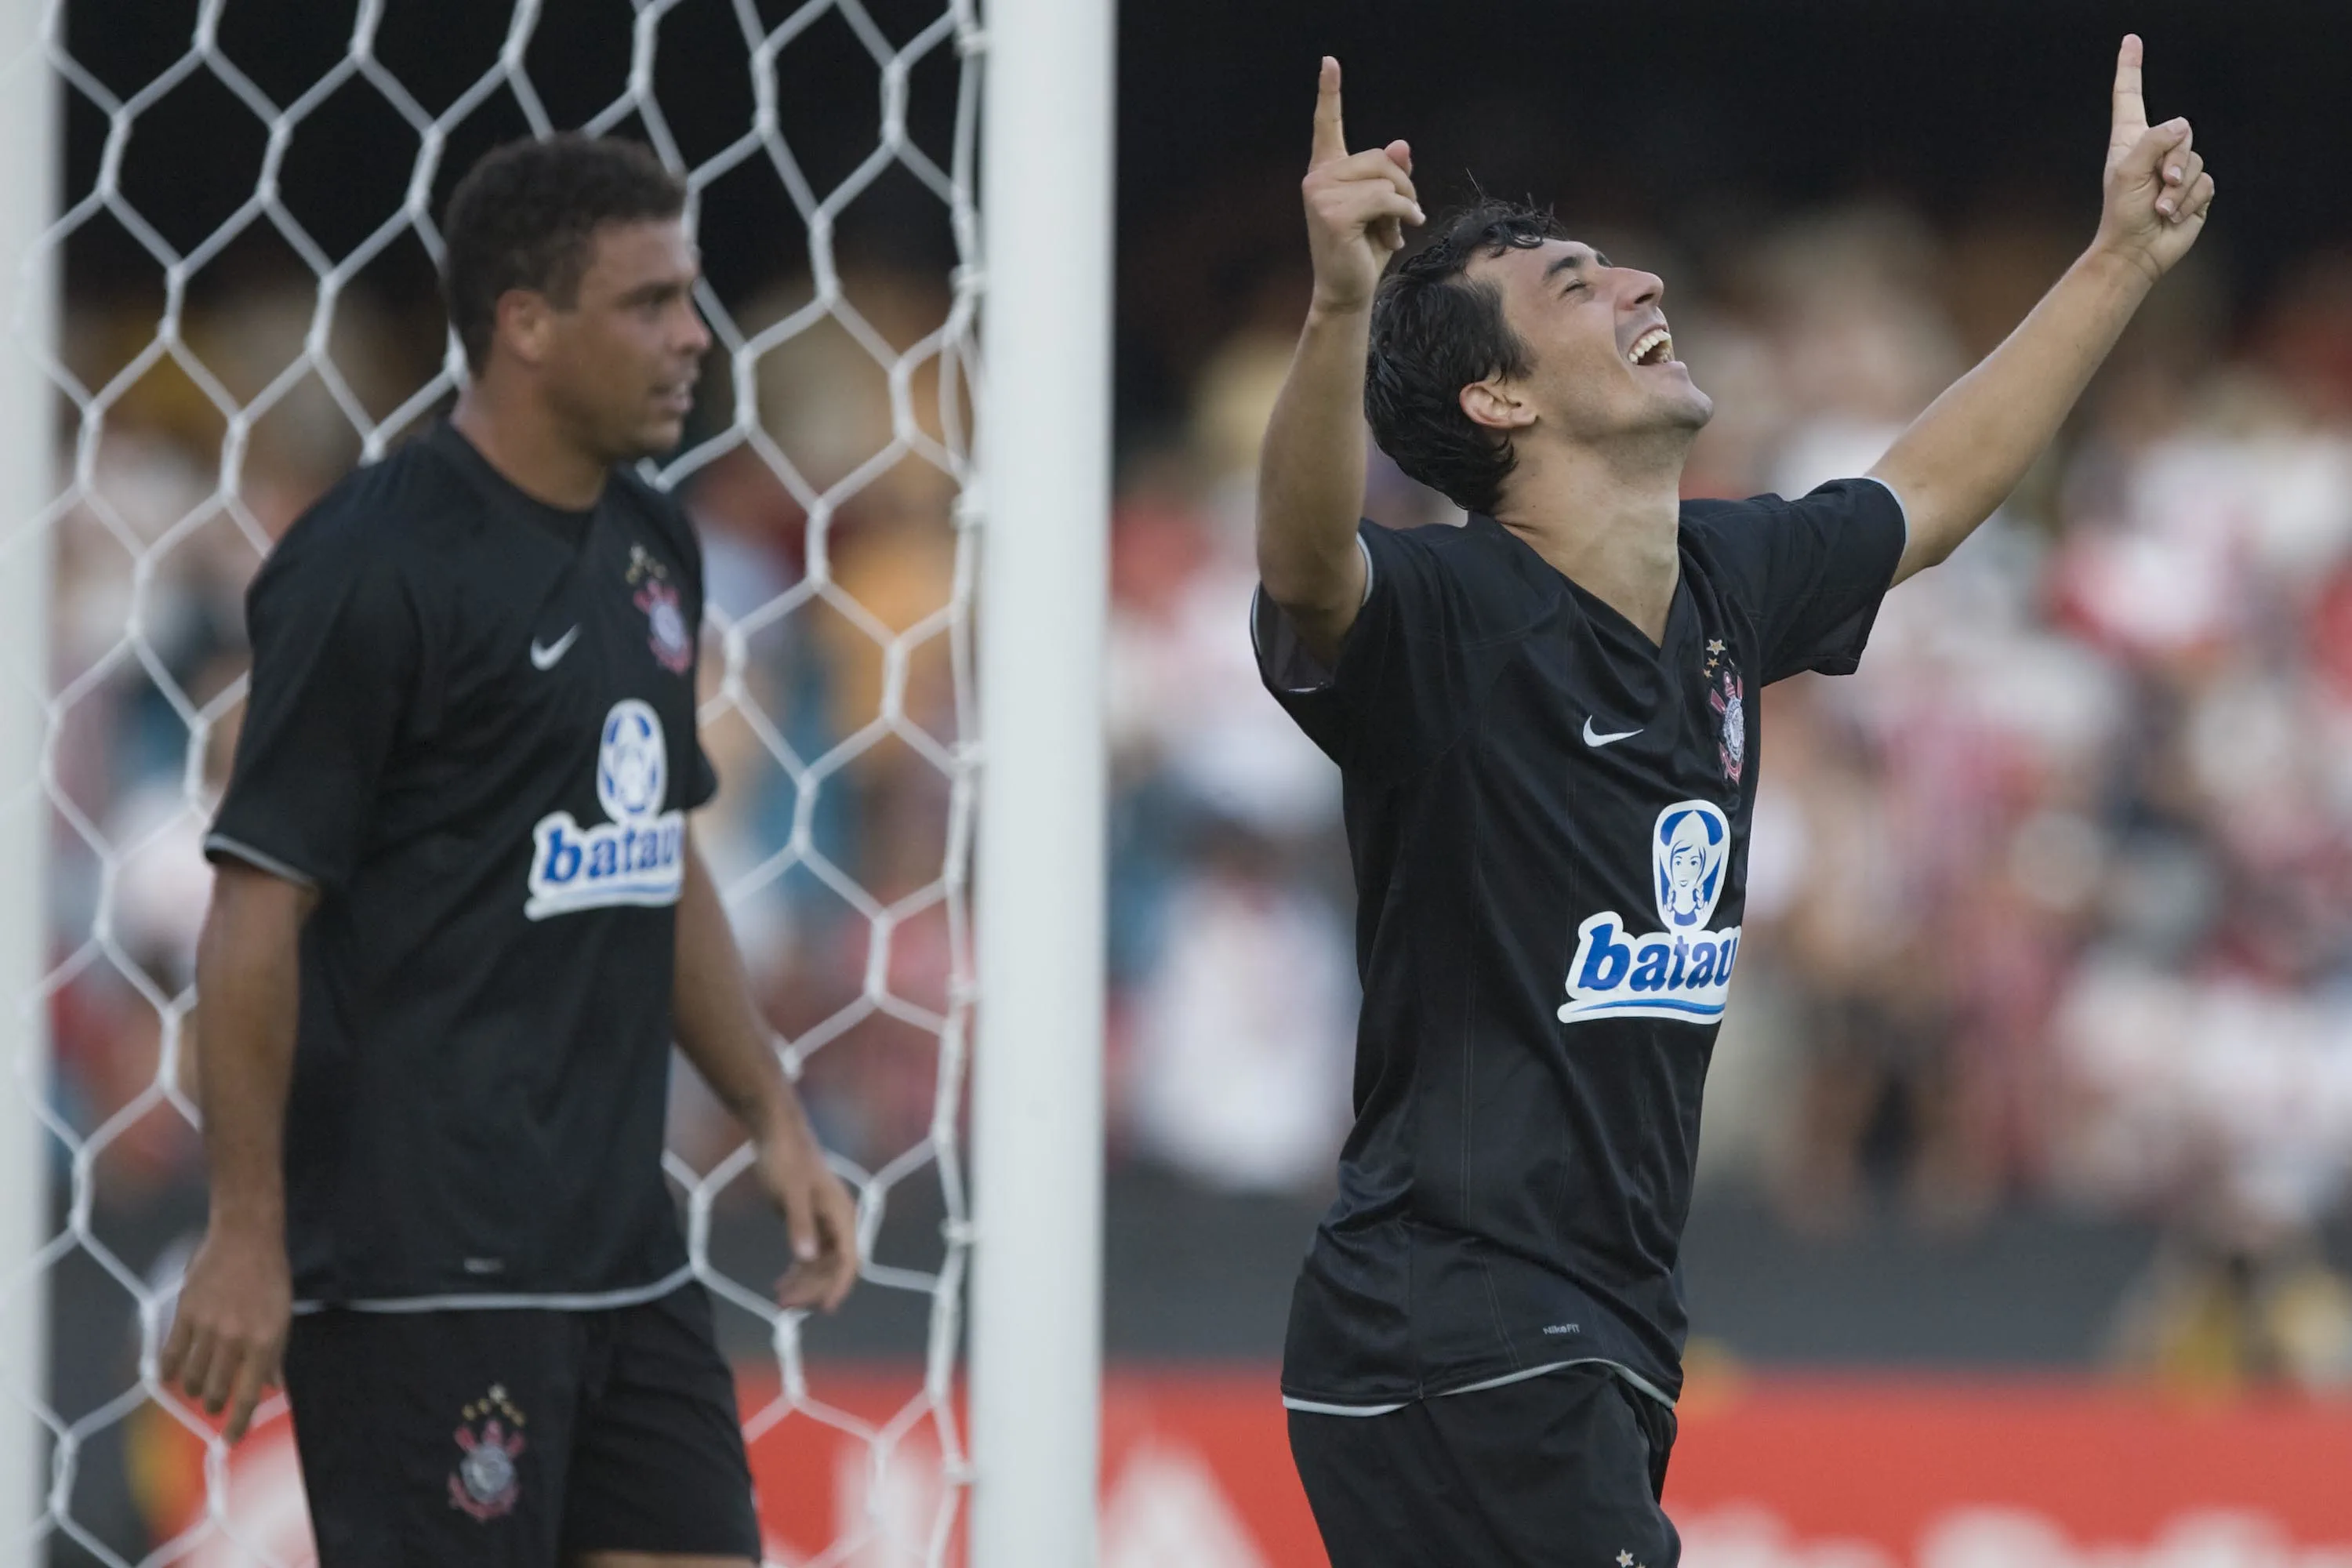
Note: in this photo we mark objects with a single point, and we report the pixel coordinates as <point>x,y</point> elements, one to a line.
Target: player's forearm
<point>249,975</point>
<point>717,1025</point>
<point>1311,475</point>
<point>1964,455</point>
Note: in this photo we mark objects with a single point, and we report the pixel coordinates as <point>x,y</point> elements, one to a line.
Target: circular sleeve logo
<point>632,763</point>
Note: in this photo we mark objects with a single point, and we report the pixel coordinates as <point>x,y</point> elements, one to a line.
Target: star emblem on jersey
<point>1624,1560</point>
<point>645,567</point>
<point>1683,970</point>
<point>635,857</point>
<point>486,1482</point>
<point>1730,704</point>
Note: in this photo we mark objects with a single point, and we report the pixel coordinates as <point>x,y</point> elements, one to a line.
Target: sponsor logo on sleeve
<point>1683,970</point>
<point>638,855</point>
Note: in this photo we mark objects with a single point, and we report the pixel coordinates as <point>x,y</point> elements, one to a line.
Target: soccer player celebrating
<point>458,920</point>
<point>1547,729</point>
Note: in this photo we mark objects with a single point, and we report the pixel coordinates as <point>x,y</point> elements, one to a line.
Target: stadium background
<point>2024,1200</point>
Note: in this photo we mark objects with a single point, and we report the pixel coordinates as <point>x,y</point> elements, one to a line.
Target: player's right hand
<point>1357,206</point>
<point>228,1337</point>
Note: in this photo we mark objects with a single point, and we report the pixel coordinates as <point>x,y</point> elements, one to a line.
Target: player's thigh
<point>654,1560</point>
<point>1384,1491</point>
<point>432,1440</point>
<point>1565,1467</point>
<point>658,1470</point>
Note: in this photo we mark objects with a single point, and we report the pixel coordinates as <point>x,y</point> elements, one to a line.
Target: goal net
<point>232,301</point>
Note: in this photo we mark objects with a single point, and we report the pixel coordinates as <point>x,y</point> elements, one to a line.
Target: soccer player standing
<point>457,918</point>
<point>1546,731</point>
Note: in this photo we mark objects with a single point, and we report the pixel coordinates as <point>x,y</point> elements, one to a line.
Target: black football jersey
<point>472,729</point>
<point>1549,817</point>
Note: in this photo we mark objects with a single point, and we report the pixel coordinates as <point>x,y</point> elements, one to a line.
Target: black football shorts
<point>1561,1470</point>
<point>519,1438</point>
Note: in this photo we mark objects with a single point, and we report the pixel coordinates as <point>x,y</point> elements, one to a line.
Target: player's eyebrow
<point>1572,261</point>
<point>661,289</point>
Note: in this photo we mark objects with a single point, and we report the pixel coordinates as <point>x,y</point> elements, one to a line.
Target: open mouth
<point>1653,347</point>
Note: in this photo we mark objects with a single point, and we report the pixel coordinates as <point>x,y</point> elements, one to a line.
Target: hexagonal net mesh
<point>242,258</point>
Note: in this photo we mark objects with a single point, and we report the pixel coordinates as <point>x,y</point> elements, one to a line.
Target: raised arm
<point>720,1029</point>
<point>228,1332</point>
<point>1961,458</point>
<point>1310,488</point>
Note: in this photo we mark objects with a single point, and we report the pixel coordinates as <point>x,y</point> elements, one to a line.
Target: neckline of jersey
<point>1595,606</point>
<point>563,525</point>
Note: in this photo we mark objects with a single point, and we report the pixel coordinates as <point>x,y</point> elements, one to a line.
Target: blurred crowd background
<point>2051,905</point>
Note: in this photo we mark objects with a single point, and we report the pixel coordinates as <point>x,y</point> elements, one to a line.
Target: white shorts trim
<point>590,1301</point>
<point>1312,1408</point>
<point>1633,1379</point>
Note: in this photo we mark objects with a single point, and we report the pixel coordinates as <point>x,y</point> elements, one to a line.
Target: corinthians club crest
<point>672,645</point>
<point>1728,698</point>
<point>671,639</point>
<point>486,1482</point>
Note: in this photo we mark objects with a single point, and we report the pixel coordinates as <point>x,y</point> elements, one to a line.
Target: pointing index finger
<point>1331,142</point>
<point>2131,109</point>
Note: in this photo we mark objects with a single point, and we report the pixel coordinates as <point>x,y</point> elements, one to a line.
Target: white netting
<point>245,239</point>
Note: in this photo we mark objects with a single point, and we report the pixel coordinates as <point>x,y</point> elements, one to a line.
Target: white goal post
<point>1024,631</point>
<point>1038,1079</point>
<point>28,186</point>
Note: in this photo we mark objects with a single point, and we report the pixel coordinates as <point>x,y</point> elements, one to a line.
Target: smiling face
<point>1686,870</point>
<point>619,363</point>
<point>1602,357</point>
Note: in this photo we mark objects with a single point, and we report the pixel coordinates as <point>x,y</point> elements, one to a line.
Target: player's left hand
<point>818,1211</point>
<point>2158,191</point>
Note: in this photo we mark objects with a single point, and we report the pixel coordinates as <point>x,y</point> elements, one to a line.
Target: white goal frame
<point>1037,1085</point>
<point>1044,502</point>
<point>30,106</point>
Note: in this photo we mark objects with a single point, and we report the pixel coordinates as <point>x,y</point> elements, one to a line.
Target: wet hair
<point>524,216</point>
<point>1436,330</point>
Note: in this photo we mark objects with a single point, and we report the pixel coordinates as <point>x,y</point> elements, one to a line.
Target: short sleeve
<point>1812,571</point>
<point>1415,664</point>
<point>702,785</point>
<point>336,648</point>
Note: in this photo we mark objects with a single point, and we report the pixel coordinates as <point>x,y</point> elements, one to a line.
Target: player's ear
<point>1497,406</point>
<point>524,320</point>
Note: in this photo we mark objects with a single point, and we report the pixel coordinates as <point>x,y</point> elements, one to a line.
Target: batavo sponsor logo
<point>638,857</point>
<point>1683,969</point>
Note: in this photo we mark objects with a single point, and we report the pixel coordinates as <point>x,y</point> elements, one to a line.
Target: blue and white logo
<point>1683,970</point>
<point>637,857</point>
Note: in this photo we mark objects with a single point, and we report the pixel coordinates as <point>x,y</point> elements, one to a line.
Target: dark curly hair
<point>1435,331</point>
<point>523,218</point>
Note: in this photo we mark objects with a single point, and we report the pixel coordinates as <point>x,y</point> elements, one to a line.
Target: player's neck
<point>1608,522</point>
<point>522,438</point>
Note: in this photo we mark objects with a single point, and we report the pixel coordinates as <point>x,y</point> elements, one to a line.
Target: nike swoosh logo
<point>1593,739</point>
<point>545,658</point>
